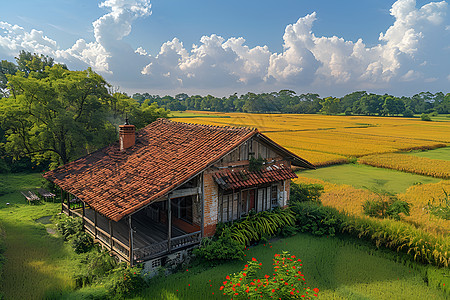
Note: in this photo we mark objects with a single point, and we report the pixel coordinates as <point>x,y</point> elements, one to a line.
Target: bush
<point>81,242</point>
<point>288,231</point>
<point>390,208</point>
<point>287,281</point>
<point>305,192</point>
<point>316,219</point>
<point>425,117</point>
<point>68,226</point>
<point>125,282</point>
<point>96,265</point>
<point>263,224</point>
<point>440,207</point>
<point>221,248</point>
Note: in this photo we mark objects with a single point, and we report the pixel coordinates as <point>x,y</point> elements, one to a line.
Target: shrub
<point>96,265</point>
<point>68,226</point>
<point>288,230</point>
<point>439,207</point>
<point>384,208</point>
<point>263,224</point>
<point>81,242</point>
<point>408,113</point>
<point>125,282</point>
<point>425,117</point>
<point>316,219</point>
<point>305,192</point>
<point>221,248</point>
<point>287,281</point>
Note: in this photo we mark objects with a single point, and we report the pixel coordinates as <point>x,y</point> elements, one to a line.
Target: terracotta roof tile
<point>229,180</point>
<point>165,155</point>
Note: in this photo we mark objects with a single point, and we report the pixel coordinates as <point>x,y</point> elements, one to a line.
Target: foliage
<point>263,224</point>
<point>220,248</point>
<point>287,101</point>
<point>54,114</point>
<point>68,226</point>
<point>316,219</point>
<point>287,281</point>
<point>81,242</point>
<point>425,117</point>
<point>301,192</point>
<point>398,236</point>
<point>256,164</point>
<point>125,282</point>
<point>2,251</point>
<point>387,207</point>
<point>440,207</point>
<point>408,163</point>
<point>95,265</point>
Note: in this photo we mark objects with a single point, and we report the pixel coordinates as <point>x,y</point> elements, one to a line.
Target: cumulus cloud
<point>413,49</point>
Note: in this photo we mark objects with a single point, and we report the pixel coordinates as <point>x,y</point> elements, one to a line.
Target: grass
<point>440,153</point>
<point>37,262</point>
<point>362,176</point>
<point>340,267</point>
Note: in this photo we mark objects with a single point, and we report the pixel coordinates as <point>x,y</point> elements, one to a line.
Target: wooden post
<point>84,212</point>
<point>169,221</point>
<point>130,241</point>
<point>62,200</point>
<point>95,223</point>
<point>110,235</point>
<point>202,198</point>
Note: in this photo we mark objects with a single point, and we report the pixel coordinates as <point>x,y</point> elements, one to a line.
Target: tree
<point>330,105</point>
<point>58,116</point>
<point>9,68</point>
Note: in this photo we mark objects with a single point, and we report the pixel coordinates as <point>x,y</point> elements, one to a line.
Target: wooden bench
<point>46,194</point>
<point>30,196</point>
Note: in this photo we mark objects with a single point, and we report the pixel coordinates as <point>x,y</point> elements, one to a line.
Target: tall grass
<point>340,267</point>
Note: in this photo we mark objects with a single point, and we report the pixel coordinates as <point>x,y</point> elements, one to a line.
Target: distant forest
<point>287,101</point>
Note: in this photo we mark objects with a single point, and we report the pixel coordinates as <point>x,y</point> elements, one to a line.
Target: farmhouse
<point>161,189</point>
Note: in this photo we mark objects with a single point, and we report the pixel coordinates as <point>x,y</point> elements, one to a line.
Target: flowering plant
<point>287,281</point>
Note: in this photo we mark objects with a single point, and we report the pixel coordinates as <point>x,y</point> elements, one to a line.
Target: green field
<point>339,267</point>
<point>362,176</point>
<point>37,262</point>
<point>440,153</point>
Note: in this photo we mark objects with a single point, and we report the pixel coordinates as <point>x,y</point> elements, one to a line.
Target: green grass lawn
<point>339,267</point>
<point>37,262</point>
<point>362,176</point>
<point>440,153</point>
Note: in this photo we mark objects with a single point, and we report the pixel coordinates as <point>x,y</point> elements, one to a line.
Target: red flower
<point>254,259</point>
<point>246,266</point>
<point>315,295</point>
<point>228,277</point>
<point>267,276</point>
<point>225,282</point>
<point>236,293</point>
<point>243,274</point>
<point>187,270</point>
<point>292,293</point>
<point>316,290</point>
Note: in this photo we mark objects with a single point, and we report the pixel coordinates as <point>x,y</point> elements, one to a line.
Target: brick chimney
<point>127,135</point>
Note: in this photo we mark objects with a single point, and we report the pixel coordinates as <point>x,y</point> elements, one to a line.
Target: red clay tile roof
<point>229,180</point>
<point>166,154</point>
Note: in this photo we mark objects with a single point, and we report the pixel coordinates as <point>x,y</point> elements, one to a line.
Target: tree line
<point>287,101</point>
<point>50,115</point>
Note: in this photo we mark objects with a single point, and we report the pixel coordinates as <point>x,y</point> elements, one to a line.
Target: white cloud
<point>411,49</point>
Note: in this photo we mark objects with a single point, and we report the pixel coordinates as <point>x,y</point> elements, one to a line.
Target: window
<point>274,195</point>
<point>229,207</point>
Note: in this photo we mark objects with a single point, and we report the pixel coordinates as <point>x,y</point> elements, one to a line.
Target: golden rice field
<point>325,140</point>
<point>408,163</point>
<point>350,199</point>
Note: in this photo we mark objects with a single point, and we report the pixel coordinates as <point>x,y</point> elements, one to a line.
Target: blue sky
<point>324,46</point>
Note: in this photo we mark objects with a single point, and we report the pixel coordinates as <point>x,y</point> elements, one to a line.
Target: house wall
<point>211,196</point>
<point>242,154</point>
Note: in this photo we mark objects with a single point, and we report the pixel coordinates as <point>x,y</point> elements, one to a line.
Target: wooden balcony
<point>150,239</point>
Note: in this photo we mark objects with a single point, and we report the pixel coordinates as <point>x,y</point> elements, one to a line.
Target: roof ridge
<point>167,121</point>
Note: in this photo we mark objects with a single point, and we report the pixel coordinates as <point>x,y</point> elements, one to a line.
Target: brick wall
<point>211,206</point>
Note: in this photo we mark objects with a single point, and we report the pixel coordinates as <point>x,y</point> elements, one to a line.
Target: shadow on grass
<point>35,261</point>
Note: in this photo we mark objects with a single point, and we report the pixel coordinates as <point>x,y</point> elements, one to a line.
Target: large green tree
<point>56,115</point>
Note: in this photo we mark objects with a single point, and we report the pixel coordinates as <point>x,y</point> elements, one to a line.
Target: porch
<point>140,237</point>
